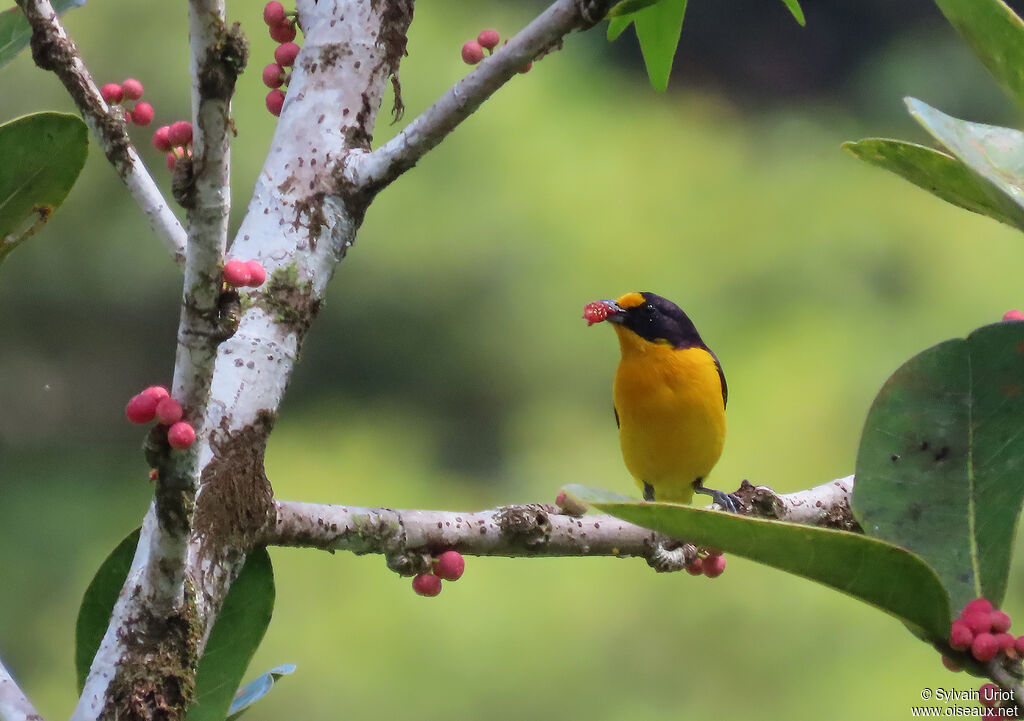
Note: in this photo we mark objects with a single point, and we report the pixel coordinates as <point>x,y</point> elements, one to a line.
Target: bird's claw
<point>729,502</point>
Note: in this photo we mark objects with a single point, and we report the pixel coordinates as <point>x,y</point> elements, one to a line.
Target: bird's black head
<point>650,316</point>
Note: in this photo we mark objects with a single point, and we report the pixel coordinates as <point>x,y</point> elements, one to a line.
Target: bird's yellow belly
<point>671,418</point>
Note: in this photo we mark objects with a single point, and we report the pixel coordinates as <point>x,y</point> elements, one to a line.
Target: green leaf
<point>257,689</point>
<point>15,32</point>
<point>993,154</point>
<point>996,35</point>
<point>658,28</point>
<point>939,174</point>
<point>98,602</point>
<point>873,571</point>
<point>939,470</point>
<point>234,639</point>
<point>796,11</point>
<point>617,25</point>
<point>41,156</point>
<point>629,6</point>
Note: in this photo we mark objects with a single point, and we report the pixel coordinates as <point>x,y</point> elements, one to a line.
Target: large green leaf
<point>796,11</point>
<point>940,470</point>
<point>239,629</point>
<point>15,32</point>
<point>41,156</point>
<point>938,173</point>
<point>873,571</point>
<point>658,26</point>
<point>996,35</point>
<point>994,154</point>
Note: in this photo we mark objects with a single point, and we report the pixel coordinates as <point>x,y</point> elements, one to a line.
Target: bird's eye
<point>648,308</point>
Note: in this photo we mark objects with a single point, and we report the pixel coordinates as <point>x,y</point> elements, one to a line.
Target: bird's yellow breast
<point>671,414</point>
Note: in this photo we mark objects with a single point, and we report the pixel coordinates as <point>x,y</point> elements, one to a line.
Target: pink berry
<point>282,32</point>
<point>286,53</point>
<point>450,566</point>
<point>273,75</point>
<point>157,392</point>
<point>132,89</point>
<point>696,568</point>
<point>978,621</point>
<point>426,584</point>
<point>273,13</point>
<point>978,604</point>
<point>180,133</point>
<point>275,101</point>
<point>168,411</point>
<point>951,664</point>
<point>112,93</point>
<point>984,647</point>
<point>236,273</point>
<point>988,695</point>
<point>160,139</point>
<point>1000,621</point>
<point>713,566</point>
<point>960,636</point>
<point>1013,315</point>
<point>595,312</point>
<point>488,39</point>
<point>141,408</point>
<point>181,435</point>
<point>257,274</point>
<point>1019,645</point>
<point>1005,641</point>
<point>172,160</point>
<point>143,114</point>
<point>472,53</point>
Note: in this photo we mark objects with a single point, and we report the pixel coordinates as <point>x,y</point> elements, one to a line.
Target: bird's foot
<point>728,502</point>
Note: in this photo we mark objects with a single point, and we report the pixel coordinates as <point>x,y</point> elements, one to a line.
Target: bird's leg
<point>728,501</point>
<point>648,491</point>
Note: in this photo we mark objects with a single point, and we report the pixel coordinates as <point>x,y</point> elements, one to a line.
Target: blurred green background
<point>811,275</point>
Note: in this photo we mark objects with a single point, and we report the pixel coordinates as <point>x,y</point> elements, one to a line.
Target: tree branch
<point>53,49</point>
<point>406,537</point>
<point>14,705</point>
<point>377,169</point>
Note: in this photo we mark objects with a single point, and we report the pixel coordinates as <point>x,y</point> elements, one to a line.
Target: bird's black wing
<point>721,377</point>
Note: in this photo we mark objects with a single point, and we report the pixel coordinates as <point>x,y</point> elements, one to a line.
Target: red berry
<point>988,695</point>
<point>154,474</point>
<point>960,636</point>
<point>984,647</point>
<point>696,568</point>
<point>275,101</point>
<point>160,140</point>
<point>181,435</point>
<point>595,312</point>
<point>978,621</point>
<point>143,114</point>
<point>132,89</point>
<point>141,408</point>
<point>282,32</point>
<point>257,274</point>
<point>450,566</point>
<point>1006,642</point>
<point>168,411</point>
<point>426,584</point>
<point>713,566</point>
<point>978,604</point>
<point>286,53</point>
<point>273,75</point>
<point>1000,621</point>
<point>472,53</point>
<point>488,39</point>
<point>951,664</point>
<point>180,133</point>
<point>112,93</point>
<point>172,160</point>
<point>273,13</point>
<point>236,273</point>
<point>157,392</point>
<point>1013,315</point>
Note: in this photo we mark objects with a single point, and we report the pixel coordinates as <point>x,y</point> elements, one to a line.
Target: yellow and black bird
<point>669,396</point>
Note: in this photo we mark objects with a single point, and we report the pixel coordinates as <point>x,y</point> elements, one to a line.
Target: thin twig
<point>53,49</point>
<point>14,705</point>
<point>376,169</point>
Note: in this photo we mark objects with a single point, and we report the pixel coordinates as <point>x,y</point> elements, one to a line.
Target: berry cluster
<point>156,403</point>
<point>282,30</point>
<point>241,273</point>
<point>984,632</point>
<point>711,564</point>
<point>130,89</point>
<point>449,566</point>
<point>473,50</point>
<point>1013,315</point>
<point>175,140</point>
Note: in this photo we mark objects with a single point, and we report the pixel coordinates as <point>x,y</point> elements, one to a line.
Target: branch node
<point>529,523</point>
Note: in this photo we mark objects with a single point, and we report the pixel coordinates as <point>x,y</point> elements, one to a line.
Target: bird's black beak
<point>599,310</point>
